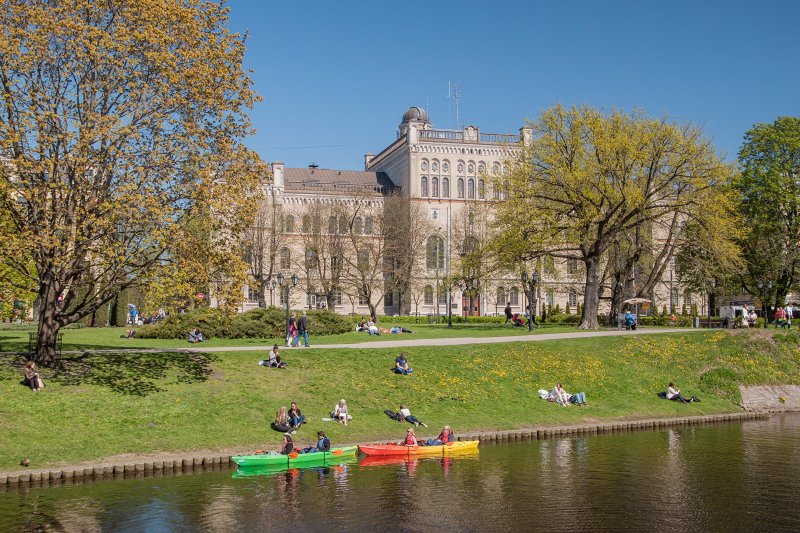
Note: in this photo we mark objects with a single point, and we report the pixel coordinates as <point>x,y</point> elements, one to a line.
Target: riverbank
<point>105,405</point>
<point>164,464</point>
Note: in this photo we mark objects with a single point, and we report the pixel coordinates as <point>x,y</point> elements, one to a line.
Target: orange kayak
<point>400,450</point>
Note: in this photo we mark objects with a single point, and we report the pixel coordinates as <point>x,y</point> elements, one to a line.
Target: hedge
<point>258,323</point>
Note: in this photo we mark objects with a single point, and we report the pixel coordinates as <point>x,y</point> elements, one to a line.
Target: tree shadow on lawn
<point>132,373</point>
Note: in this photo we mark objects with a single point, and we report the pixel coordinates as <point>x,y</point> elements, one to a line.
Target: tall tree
<point>587,177</point>
<point>120,122</point>
<point>770,206</point>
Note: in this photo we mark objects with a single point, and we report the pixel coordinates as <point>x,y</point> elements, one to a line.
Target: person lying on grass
<point>405,414</point>
<point>564,398</point>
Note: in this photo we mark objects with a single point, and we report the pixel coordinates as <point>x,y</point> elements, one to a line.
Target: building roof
<point>336,181</point>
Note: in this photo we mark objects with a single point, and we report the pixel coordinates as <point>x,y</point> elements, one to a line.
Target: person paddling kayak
<point>410,440</point>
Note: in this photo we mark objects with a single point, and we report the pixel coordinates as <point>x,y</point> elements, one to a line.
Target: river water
<point>723,477</point>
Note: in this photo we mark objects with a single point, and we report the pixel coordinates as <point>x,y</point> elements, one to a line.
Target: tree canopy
<point>587,178</point>
<point>120,124</point>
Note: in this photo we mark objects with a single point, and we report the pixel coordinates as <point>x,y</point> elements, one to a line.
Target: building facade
<point>330,224</point>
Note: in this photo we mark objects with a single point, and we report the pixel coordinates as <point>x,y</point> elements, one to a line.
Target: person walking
<point>508,314</point>
<point>302,330</point>
<point>291,330</point>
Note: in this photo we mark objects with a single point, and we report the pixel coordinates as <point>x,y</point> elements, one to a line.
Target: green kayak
<point>255,471</point>
<point>288,461</point>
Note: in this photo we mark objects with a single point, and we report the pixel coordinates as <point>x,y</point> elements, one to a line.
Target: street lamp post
<point>711,301</point>
<point>272,285</point>
<point>287,286</point>
<point>764,288</point>
<point>530,282</point>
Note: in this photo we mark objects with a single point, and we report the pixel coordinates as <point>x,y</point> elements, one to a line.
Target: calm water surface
<point>727,477</point>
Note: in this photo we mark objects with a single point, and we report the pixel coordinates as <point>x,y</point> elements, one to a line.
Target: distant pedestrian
<point>508,314</point>
<point>291,330</point>
<point>302,330</point>
<point>630,320</point>
<point>789,315</point>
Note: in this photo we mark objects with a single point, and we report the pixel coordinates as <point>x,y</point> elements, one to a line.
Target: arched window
<point>289,224</point>
<point>286,259</point>
<point>496,169</point>
<point>572,266</point>
<point>359,225</point>
<point>513,296</point>
<point>332,224</point>
<point>363,260</point>
<point>460,167</point>
<point>673,303</point>
<point>495,192</point>
<point>481,189</point>
<point>428,295</point>
<point>435,166</point>
<point>687,297</point>
<point>423,187</point>
<point>446,167</point>
<point>470,188</point>
<point>368,226</point>
<point>572,299</point>
<point>316,223</point>
<point>500,299</point>
<point>505,189</point>
<point>460,187</point>
<point>434,256</point>
<point>442,298</point>
<point>342,224</point>
<point>481,168</point>
<point>312,259</point>
<point>445,188</point>
<point>424,165</point>
<point>306,224</point>
<point>435,187</point>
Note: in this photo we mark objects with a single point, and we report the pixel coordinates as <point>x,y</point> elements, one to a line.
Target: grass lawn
<point>109,338</point>
<point>108,404</point>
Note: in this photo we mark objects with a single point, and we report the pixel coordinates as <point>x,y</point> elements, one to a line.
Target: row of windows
<point>312,260</point>
<point>313,224</point>
<point>470,167</point>
<point>444,192</point>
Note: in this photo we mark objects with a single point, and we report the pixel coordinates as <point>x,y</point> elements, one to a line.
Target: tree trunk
<point>591,299</point>
<point>47,335</point>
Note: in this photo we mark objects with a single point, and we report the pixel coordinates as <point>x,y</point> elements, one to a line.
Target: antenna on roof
<point>455,96</point>
<point>449,126</point>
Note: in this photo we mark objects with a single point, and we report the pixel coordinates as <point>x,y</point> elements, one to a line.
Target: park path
<point>444,341</point>
<point>456,341</point>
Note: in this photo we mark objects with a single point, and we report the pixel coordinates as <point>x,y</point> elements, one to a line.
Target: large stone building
<point>443,177</point>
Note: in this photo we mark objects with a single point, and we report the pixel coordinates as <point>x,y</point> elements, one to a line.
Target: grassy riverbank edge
<point>158,464</point>
<point>141,404</point>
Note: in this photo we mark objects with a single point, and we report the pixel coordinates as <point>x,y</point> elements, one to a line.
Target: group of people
<point>372,328</point>
<point>289,421</point>
<point>196,336</point>
<point>784,316</point>
<point>323,444</point>
<point>298,328</point>
<point>446,436</point>
<point>561,397</point>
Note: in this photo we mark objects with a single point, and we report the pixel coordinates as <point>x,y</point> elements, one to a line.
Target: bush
<point>259,323</point>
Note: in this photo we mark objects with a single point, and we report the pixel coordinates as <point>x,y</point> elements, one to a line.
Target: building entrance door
<point>476,306</point>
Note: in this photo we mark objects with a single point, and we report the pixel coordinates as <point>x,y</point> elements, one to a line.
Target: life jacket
<point>410,440</point>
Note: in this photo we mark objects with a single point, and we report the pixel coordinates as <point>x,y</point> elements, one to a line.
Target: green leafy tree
<point>770,206</point>
<point>120,123</point>
<point>587,178</point>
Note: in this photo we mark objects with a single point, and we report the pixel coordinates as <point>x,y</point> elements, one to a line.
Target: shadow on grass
<point>132,373</point>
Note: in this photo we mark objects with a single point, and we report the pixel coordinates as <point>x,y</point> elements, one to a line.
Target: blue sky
<point>336,77</point>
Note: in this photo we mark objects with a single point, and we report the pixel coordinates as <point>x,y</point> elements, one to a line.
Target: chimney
<point>277,175</point>
<point>367,160</point>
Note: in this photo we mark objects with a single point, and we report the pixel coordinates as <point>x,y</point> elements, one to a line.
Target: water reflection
<point>721,477</point>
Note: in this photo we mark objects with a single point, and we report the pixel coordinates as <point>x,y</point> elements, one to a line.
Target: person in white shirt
<point>406,415</point>
<point>675,394</point>
<point>340,413</point>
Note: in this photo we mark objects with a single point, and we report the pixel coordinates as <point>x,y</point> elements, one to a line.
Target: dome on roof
<point>415,114</point>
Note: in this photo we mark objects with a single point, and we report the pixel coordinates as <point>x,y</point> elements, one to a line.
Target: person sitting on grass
<point>362,325</point>
<point>675,395</point>
<point>281,422</point>
<point>340,413</point>
<point>130,334</point>
<point>401,365</point>
<point>405,414</point>
<point>195,336</point>
<point>32,378</point>
<point>275,358</point>
<point>296,418</point>
<point>445,437</point>
<point>288,444</point>
<point>410,440</point>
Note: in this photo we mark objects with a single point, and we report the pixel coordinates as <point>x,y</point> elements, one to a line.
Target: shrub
<point>258,323</point>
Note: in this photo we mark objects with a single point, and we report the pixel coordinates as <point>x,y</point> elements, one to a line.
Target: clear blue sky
<point>336,77</point>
